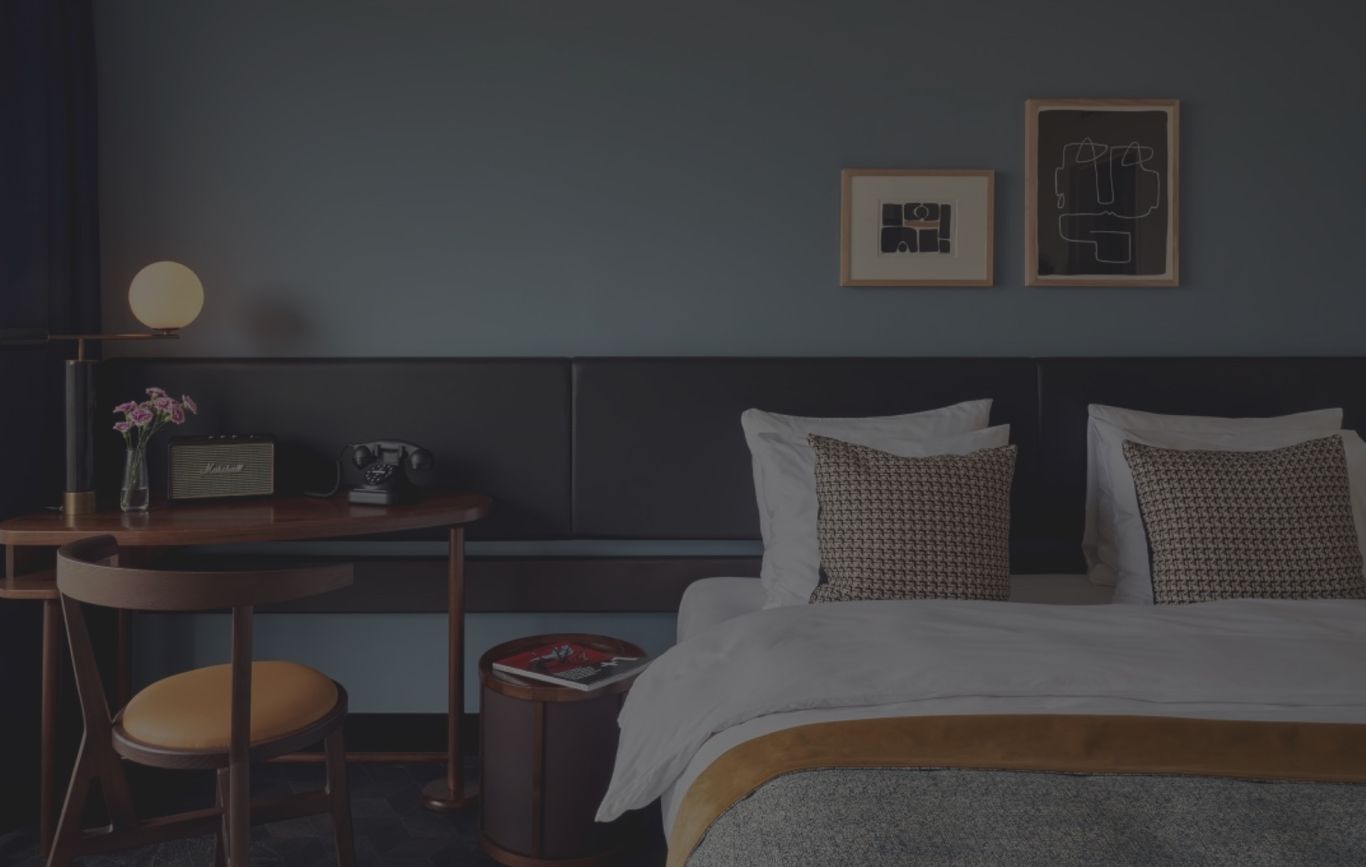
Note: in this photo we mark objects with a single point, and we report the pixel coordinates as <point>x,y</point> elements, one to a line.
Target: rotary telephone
<point>391,471</point>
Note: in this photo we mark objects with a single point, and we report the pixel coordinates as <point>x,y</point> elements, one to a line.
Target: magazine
<point>571,664</point>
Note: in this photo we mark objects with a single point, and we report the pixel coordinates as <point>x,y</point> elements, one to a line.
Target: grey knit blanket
<point>965,817</point>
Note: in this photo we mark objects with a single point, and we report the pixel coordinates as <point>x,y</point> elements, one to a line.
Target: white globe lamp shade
<point>166,296</point>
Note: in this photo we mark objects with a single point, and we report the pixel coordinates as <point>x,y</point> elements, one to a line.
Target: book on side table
<point>570,664</point>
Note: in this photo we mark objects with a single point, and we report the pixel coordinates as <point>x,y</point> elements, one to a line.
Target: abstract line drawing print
<point>916,227</point>
<point>1104,190</point>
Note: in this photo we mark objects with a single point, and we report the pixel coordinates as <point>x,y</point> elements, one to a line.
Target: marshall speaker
<point>202,468</point>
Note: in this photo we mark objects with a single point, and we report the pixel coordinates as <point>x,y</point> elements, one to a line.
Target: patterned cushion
<point>912,528</point>
<point>1273,524</point>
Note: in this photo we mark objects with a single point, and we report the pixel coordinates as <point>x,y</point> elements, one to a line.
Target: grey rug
<point>392,829</point>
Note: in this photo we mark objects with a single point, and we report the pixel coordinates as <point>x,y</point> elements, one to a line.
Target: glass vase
<point>136,493</point>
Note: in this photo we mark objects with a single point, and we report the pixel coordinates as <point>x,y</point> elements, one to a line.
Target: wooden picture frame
<point>1120,227</point>
<point>953,210</point>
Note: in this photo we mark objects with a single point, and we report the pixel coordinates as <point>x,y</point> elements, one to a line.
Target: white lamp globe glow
<point>166,296</point>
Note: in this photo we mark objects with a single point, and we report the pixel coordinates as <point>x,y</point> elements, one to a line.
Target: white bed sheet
<point>710,601</point>
<point>1231,660</point>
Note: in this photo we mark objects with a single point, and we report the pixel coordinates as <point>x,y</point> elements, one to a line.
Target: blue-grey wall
<point>623,177</point>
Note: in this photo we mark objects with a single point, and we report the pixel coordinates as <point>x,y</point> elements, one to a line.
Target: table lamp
<point>165,297</point>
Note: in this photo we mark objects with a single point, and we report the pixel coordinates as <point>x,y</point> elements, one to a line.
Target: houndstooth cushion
<point>1274,524</point>
<point>912,528</point>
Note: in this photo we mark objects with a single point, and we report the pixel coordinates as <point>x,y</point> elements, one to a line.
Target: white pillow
<point>1134,582</point>
<point>1098,540</point>
<point>792,561</point>
<point>958,418</point>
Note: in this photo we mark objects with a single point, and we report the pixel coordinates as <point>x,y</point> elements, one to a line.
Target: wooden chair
<point>223,717</point>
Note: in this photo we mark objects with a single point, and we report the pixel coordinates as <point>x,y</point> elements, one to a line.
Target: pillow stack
<point>1221,512</point>
<point>784,465</point>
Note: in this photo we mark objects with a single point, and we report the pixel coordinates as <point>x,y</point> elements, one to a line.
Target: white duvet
<point>1242,659</point>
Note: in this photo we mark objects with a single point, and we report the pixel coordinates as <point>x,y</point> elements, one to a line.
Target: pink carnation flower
<point>148,416</point>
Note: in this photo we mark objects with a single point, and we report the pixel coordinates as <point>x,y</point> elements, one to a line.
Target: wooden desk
<point>29,575</point>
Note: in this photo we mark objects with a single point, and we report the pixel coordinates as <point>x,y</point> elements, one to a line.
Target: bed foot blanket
<point>1032,789</point>
<point>994,818</point>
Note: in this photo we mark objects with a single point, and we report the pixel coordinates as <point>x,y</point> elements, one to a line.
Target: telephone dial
<point>391,471</point>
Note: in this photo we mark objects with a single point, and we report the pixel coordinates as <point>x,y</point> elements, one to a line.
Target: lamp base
<point>78,502</point>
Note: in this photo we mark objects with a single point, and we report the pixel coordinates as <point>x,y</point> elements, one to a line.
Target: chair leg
<point>73,809</point>
<point>339,794</point>
<point>239,814</point>
<point>118,798</point>
<point>220,839</point>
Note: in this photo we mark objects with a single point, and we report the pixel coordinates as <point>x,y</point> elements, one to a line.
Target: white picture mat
<point>969,234</point>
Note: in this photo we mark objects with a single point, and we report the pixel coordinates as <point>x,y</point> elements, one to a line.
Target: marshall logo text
<point>213,469</point>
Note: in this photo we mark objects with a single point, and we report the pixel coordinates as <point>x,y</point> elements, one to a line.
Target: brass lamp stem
<point>79,496</point>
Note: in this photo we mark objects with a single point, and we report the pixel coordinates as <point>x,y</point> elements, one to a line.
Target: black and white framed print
<point>909,227</point>
<point>1102,194</point>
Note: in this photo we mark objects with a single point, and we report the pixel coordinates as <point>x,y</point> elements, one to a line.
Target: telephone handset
<point>391,470</point>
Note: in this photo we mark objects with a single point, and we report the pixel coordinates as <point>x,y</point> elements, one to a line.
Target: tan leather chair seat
<point>192,710</point>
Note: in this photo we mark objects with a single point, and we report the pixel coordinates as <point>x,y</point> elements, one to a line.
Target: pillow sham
<point>791,565</point>
<point>1134,574</point>
<point>957,418</point>
<point>1099,541</point>
<point>892,527</point>
<point>1271,524</point>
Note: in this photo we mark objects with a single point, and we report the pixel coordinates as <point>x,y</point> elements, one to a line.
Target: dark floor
<point>392,829</point>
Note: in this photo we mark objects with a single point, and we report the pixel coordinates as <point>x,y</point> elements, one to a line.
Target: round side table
<point>545,758</point>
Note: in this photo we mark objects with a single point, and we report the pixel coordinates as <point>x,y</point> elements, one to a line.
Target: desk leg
<point>47,745</point>
<point>452,793</point>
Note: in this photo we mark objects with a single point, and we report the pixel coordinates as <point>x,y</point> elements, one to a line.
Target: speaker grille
<point>201,471</point>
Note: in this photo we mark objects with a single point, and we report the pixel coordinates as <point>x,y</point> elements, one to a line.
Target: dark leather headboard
<point>651,448</point>
<point>1189,386</point>
<point>499,426</point>
<point>658,450</point>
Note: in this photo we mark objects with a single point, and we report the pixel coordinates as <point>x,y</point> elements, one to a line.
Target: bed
<point>1066,731</point>
<point>781,736</point>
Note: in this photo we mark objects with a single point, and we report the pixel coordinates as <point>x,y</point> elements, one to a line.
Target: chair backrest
<point>84,573</point>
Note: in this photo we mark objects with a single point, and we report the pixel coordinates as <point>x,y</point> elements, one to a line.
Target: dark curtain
<point>49,264</point>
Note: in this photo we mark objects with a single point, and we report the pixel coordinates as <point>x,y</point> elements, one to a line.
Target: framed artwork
<point>908,227</point>
<point>1101,192</point>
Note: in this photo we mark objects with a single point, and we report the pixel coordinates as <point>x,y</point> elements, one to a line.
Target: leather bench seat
<point>192,710</point>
